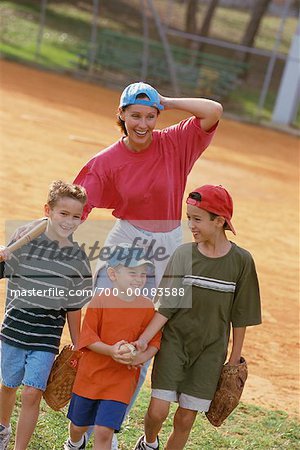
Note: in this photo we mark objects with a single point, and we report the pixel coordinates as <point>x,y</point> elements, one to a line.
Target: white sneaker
<point>141,444</point>
<point>69,446</point>
<point>114,444</point>
<point>5,433</point>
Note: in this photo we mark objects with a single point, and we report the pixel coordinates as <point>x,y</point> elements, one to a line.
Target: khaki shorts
<point>185,401</point>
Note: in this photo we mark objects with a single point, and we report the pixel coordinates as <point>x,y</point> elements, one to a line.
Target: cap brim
<point>139,262</point>
<point>230,226</point>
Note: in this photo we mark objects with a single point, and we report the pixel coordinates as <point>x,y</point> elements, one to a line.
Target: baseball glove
<point>228,392</point>
<point>61,378</point>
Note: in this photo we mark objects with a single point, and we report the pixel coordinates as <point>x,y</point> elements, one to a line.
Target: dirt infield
<point>52,124</point>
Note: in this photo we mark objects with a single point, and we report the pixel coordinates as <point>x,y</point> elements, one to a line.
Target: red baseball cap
<point>214,199</point>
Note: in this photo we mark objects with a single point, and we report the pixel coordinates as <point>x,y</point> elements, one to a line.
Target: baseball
<point>129,348</point>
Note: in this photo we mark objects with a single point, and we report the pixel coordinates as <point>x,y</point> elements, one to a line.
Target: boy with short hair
<point>49,281</point>
<point>104,383</point>
<point>221,290</point>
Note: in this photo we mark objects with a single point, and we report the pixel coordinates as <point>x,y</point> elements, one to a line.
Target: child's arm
<point>74,322</point>
<point>153,327</point>
<point>111,350</point>
<point>237,345</point>
<point>143,356</point>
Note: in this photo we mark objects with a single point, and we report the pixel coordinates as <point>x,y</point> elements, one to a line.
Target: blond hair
<point>59,189</point>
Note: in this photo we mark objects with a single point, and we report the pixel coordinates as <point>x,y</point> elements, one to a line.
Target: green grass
<point>248,428</point>
<point>245,100</point>
<point>63,34</point>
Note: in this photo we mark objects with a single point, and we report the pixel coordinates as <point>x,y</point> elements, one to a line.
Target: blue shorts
<point>84,412</point>
<point>28,367</point>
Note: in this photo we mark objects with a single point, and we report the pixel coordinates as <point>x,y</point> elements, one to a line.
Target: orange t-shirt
<point>109,319</point>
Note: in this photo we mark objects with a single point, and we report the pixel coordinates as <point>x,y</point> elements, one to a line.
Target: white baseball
<point>129,348</point>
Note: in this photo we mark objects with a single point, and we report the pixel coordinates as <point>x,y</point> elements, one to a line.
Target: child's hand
<point>21,231</point>
<point>5,254</point>
<point>74,347</point>
<point>120,355</point>
<point>139,359</point>
<point>140,345</point>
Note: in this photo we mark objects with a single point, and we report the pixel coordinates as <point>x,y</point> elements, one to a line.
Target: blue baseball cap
<point>130,93</point>
<point>128,256</point>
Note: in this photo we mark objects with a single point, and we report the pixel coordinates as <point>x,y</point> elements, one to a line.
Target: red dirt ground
<point>52,124</point>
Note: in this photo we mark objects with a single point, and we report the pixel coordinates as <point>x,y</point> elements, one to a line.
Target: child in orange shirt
<point>104,383</point>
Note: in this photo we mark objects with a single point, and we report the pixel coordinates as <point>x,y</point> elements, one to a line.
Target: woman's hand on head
<point>163,101</point>
<point>208,111</point>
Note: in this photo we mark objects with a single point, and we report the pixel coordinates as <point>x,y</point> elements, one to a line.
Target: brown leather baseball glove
<point>61,378</point>
<point>228,392</point>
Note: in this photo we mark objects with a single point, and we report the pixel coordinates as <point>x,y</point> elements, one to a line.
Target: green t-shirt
<point>218,292</point>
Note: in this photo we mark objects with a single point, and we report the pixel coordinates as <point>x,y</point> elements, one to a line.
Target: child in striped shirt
<point>49,281</point>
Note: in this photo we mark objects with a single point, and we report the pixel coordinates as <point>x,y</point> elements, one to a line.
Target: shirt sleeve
<point>82,284</point>
<point>166,302</point>
<point>100,189</point>
<point>191,140</point>
<point>155,341</point>
<point>246,310</point>
<point>9,267</point>
<point>2,269</point>
<point>91,327</point>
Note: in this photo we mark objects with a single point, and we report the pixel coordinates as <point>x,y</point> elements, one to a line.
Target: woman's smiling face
<point>140,121</point>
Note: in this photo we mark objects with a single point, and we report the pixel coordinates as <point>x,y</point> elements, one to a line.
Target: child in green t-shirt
<point>208,286</point>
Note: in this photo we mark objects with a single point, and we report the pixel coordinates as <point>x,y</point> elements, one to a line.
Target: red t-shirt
<point>146,188</point>
<point>109,319</point>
